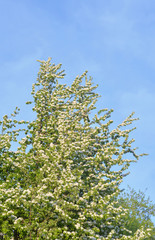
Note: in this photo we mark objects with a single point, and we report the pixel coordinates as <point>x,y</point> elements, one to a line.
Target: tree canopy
<point>140,211</point>
<point>63,180</point>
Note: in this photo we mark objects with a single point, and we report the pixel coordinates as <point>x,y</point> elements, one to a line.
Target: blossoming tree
<point>62,181</point>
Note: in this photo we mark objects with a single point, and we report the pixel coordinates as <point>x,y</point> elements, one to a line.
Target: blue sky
<point>113,40</point>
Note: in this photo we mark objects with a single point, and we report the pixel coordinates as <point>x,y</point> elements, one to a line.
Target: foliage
<point>61,182</point>
<point>140,212</point>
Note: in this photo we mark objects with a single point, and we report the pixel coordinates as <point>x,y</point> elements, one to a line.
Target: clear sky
<point>113,40</point>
